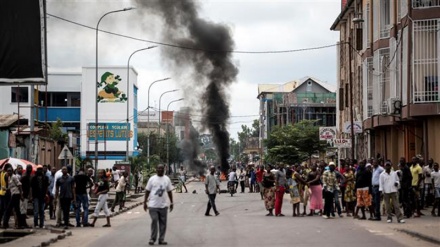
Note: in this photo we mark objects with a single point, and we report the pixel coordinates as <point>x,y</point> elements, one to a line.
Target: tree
<point>247,133</point>
<point>294,143</point>
<point>56,132</point>
<point>158,148</point>
<point>308,141</point>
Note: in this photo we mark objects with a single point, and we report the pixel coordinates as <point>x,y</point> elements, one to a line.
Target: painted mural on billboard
<point>108,90</point>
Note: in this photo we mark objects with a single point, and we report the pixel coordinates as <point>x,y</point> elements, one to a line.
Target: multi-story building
<point>304,99</point>
<point>392,83</point>
<point>40,106</point>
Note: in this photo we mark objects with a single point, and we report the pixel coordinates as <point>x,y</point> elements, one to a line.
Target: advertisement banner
<point>357,127</point>
<point>342,143</point>
<point>327,133</point>
<point>109,132</point>
<point>22,43</point>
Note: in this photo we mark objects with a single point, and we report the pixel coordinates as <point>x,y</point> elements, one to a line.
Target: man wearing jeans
<point>120,188</point>
<point>212,186</point>
<point>157,203</point>
<point>377,170</point>
<point>65,190</point>
<point>82,182</point>
<point>39,185</point>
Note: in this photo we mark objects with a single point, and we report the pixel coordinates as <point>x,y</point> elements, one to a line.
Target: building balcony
<point>65,114</point>
<point>420,4</point>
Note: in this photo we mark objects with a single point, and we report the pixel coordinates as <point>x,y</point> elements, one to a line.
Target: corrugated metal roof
<point>7,120</point>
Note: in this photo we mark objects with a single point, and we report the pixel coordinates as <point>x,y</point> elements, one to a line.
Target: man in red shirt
<point>259,177</point>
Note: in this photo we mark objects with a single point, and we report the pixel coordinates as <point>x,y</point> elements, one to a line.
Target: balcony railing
<point>425,63</point>
<point>385,31</point>
<point>419,4</point>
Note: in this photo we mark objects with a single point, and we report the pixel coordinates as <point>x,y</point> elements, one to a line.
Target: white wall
<point>109,112</point>
<point>8,107</point>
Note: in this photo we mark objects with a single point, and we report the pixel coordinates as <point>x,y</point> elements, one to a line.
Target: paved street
<point>241,223</point>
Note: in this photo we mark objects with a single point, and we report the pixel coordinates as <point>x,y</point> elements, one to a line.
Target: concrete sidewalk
<point>425,228</point>
<point>52,234</point>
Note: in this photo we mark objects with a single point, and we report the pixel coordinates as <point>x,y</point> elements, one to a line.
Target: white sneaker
<point>401,221</point>
<point>389,220</point>
<point>325,216</point>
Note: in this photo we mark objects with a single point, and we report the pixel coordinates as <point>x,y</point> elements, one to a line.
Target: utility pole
<point>351,95</point>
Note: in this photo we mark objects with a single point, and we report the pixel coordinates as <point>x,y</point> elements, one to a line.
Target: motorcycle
<point>231,188</point>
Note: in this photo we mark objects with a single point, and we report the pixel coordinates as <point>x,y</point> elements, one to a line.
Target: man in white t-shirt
<point>232,177</point>
<point>116,174</point>
<point>158,204</point>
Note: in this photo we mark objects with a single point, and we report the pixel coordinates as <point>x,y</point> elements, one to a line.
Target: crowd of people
<point>372,186</point>
<point>61,192</point>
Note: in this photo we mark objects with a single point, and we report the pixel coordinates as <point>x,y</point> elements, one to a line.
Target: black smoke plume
<point>209,63</point>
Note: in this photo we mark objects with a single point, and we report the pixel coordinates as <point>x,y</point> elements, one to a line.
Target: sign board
<point>327,133</point>
<point>357,127</point>
<point>65,153</point>
<point>123,166</point>
<point>109,131</point>
<point>342,143</point>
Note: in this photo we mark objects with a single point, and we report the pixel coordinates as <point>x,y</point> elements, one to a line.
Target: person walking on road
<point>212,186</point>
<point>102,188</point>
<point>39,185</point>
<point>388,185</point>
<point>65,190</point>
<point>182,178</point>
<point>156,200</point>
<point>120,192</point>
<point>82,182</point>
<point>377,170</point>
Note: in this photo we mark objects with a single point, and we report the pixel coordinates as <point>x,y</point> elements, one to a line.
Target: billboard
<point>357,127</point>
<point>109,132</point>
<point>22,42</point>
<point>327,133</point>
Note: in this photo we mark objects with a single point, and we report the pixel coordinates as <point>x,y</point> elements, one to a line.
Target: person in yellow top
<point>417,173</point>
<point>4,198</point>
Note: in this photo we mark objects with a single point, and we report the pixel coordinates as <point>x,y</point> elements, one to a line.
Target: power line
<point>193,48</point>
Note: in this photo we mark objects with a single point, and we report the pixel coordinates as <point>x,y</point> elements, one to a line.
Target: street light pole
<point>128,99</point>
<point>96,85</point>
<point>168,138</point>
<point>148,118</point>
<point>160,98</point>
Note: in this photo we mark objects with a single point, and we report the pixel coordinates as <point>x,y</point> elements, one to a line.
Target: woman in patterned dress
<point>350,197</point>
<point>296,190</point>
<point>269,190</point>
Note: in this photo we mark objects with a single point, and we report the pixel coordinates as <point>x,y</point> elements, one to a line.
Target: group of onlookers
<point>59,191</point>
<point>369,185</point>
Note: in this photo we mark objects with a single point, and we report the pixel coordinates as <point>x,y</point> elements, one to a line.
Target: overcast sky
<point>256,26</point>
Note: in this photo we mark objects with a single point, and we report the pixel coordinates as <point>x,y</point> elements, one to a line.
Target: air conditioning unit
<point>395,105</point>
<point>384,108</point>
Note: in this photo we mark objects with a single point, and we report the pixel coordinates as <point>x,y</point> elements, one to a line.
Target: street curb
<point>61,235</point>
<point>420,236</point>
